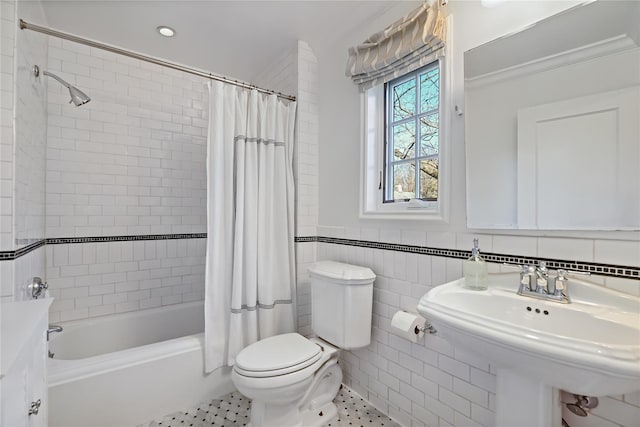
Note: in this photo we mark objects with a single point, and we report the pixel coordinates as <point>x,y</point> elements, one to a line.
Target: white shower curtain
<point>249,275</point>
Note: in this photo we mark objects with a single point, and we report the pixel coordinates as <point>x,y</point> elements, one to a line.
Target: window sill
<point>407,215</point>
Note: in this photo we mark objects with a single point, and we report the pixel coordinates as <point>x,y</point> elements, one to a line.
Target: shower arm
<point>46,73</point>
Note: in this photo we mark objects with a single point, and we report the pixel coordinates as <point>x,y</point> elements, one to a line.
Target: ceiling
<point>230,38</point>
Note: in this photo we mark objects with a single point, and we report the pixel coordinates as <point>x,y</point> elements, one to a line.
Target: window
<point>405,148</point>
<point>412,110</point>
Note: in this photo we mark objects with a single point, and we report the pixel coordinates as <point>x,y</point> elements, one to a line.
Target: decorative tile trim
<point>627,272</point>
<point>68,240</point>
<point>12,255</point>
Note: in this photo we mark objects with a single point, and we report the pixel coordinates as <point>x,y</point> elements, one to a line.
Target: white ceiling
<point>230,38</point>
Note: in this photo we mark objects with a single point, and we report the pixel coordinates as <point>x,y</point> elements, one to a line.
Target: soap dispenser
<point>475,270</point>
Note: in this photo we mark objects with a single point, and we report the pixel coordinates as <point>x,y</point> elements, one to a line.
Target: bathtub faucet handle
<point>37,287</point>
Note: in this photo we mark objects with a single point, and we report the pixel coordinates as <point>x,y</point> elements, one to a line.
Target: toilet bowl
<point>292,380</point>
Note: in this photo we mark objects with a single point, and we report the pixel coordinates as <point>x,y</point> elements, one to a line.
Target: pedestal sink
<point>588,347</point>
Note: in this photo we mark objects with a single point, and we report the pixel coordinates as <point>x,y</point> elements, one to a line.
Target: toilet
<point>292,380</point>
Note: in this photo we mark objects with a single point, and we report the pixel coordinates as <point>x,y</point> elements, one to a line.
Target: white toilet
<point>293,380</point>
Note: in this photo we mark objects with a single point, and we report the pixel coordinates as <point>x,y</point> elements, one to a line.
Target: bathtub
<point>127,369</point>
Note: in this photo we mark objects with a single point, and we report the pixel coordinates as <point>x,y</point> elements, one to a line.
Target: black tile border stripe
<point>611,270</point>
<point>12,255</point>
<point>67,240</point>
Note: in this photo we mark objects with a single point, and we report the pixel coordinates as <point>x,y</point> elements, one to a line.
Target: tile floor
<point>233,410</point>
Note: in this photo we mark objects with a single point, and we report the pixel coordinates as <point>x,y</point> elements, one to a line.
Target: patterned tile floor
<point>233,410</point>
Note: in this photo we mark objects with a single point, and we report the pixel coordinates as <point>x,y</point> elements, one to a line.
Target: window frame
<point>372,158</point>
<point>388,162</point>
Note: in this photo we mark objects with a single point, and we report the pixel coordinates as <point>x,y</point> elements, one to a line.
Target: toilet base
<point>318,418</point>
<point>317,399</point>
<point>321,416</point>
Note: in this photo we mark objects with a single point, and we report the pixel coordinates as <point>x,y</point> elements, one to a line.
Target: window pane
<point>404,100</point>
<point>404,141</point>
<point>429,90</point>
<point>429,179</point>
<point>404,181</point>
<point>429,135</point>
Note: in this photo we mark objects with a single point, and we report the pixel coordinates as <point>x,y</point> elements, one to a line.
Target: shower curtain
<point>249,274</point>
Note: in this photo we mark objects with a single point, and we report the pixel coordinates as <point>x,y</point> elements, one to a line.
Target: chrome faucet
<point>53,328</point>
<point>50,330</point>
<point>542,275</point>
<point>537,282</point>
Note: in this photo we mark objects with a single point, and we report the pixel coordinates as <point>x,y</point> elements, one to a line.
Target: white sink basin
<point>589,347</point>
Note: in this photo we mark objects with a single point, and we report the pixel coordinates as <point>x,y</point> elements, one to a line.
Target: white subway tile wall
<point>7,41</point>
<point>432,383</point>
<point>25,269</point>
<point>131,161</point>
<point>30,138</point>
<point>101,278</point>
<point>22,147</point>
<point>306,170</point>
<point>29,158</point>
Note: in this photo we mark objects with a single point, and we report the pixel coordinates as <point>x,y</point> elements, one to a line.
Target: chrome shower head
<point>78,97</point>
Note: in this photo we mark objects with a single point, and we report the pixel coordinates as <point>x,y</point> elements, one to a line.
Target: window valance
<point>407,44</point>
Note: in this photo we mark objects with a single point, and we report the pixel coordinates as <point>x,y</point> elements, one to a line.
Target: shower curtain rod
<point>51,32</point>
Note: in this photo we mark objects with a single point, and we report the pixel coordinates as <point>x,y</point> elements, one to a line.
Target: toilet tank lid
<point>342,273</point>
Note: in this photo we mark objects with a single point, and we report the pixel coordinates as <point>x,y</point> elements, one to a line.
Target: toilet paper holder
<point>428,327</point>
<point>410,326</point>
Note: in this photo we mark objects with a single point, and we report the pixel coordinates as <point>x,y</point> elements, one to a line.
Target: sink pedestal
<point>525,402</point>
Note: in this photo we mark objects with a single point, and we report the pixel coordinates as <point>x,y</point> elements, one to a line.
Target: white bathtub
<point>126,369</point>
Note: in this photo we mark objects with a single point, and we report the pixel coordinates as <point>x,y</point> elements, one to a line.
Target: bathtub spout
<point>52,329</point>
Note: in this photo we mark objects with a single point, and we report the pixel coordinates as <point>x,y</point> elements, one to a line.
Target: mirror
<point>552,128</point>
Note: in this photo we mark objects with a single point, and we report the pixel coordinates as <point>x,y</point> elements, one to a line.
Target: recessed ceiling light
<point>166,31</point>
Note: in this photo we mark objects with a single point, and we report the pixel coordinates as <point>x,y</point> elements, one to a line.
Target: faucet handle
<point>37,287</point>
<point>543,267</point>
<point>560,279</point>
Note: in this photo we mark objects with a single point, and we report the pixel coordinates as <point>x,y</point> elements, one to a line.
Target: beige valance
<point>407,44</point>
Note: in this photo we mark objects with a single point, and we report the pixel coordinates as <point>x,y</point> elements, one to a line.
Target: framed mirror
<point>552,123</point>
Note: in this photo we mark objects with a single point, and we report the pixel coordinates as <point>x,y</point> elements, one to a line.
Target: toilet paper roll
<point>409,326</point>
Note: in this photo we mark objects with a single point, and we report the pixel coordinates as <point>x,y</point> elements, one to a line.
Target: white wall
<point>433,383</point>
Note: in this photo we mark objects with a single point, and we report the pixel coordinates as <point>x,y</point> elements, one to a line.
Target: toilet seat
<point>277,355</point>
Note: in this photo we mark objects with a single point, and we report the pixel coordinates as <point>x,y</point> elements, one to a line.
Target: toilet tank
<point>341,303</point>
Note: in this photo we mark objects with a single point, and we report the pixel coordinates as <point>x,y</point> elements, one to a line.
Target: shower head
<point>78,97</point>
